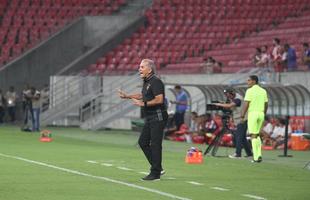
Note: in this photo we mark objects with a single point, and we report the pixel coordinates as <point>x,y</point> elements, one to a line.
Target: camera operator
<point>233,103</point>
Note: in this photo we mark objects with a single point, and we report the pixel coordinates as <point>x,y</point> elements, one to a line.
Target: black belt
<point>158,115</point>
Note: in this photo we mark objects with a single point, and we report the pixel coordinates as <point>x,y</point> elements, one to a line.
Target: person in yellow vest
<point>256,104</point>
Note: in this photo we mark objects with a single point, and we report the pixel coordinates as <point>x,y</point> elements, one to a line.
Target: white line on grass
<point>145,173</point>
<point>254,197</point>
<point>107,164</point>
<point>220,188</point>
<point>195,183</point>
<point>96,177</point>
<point>171,178</point>
<point>91,161</point>
<point>124,168</point>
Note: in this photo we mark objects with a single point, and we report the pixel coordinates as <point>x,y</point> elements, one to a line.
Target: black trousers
<point>179,119</point>
<point>11,111</point>
<point>1,114</point>
<point>241,141</point>
<point>150,142</point>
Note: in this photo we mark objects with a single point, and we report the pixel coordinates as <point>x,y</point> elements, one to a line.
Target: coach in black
<point>152,102</point>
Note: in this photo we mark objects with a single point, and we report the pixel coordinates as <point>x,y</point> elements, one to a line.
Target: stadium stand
<point>24,23</point>
<point>293,31</point>
<point>177,30</point>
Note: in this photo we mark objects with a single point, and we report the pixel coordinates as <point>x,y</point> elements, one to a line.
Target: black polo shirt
<point>152,86</point>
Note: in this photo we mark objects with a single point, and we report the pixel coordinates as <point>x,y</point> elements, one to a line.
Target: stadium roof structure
<point>292,100</point>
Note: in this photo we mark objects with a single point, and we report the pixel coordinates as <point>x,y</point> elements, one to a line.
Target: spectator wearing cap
<point>181,106</point>
<point>234,103</point>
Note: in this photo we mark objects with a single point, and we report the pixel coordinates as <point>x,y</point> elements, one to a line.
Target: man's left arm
<point>158,90</point>
<point>159,99</point>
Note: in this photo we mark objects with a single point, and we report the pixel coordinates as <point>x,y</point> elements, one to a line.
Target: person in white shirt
<point>266,131</point>
<point>11,97</point>
<point>278,133</point>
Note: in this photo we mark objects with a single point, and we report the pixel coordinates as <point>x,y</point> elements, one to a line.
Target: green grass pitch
<point>85,165</point>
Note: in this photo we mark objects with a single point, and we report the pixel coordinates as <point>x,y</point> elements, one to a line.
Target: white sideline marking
<point>194,183</point>
<point>171,178</point>
<point>107,164</point>
<point>219,188</point>
<point>91,161</point>
<point>145,173</point>
<point>96,177</point>
<point>124,168</point>
<point>254,196</point>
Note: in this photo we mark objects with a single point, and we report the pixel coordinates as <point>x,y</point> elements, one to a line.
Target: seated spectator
<point>210,128</point>
<point>266,131</point>
<point>289,58</point>
<point>306,55</point>
<point>278,133</point>
<point>196,122</point>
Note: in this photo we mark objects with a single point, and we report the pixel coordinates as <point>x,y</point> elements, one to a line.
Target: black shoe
<point>151,177</point>
<point>258,160</point>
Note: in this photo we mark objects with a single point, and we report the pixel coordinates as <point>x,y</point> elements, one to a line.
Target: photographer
<point>233,103</point>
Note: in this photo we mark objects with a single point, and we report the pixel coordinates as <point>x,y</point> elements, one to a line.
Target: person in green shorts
<point>256,104</point>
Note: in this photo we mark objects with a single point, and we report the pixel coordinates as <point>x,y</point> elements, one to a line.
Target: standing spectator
<point>256,104</point>
<point>257,57</point>
<point>28,94</point>
<point>2,100</point>
<point>25,91</point>
<point>36,106</point>
<point>218,67</point>
<point>277,52</point>
<point>264,61</point>
<point>11,97</point>
<point>181,106</point>
<point>276,48</point>
<point>45,97</point>
<point>306,56</point>
<point>289,58</point>
<point>209,65</point>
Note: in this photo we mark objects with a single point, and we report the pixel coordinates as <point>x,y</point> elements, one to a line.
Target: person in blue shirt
<point>181,106</point>
<point>290,59</point>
